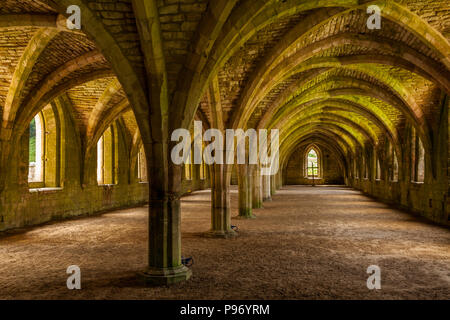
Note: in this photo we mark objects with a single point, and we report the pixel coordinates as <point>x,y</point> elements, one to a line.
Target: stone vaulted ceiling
<point>309,68</point>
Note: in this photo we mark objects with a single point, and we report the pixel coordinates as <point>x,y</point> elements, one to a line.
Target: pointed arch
<point>24,67</point>
<point>313,162</point>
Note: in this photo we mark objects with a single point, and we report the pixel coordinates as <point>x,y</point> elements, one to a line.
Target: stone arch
<point>394,14</point>
<point>32,52</point>
<point>313,138</point>
<point>132,85</point>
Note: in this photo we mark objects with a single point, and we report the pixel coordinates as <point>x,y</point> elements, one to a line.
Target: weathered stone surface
<point>374,101</point>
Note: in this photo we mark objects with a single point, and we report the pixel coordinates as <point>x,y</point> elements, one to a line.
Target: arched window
<point>100,161</point>
<point>202,171</point>
<point>312,163</point>
<point>378,169</point>
<point>45,153</point>
<point>107,159</point>
<point>394,168</point>
<point>36,150</point>
<point>203,167</point>
<point>393,164</point>
<point>188,166</point>
<point>142,166</point>
<point>187,171</point>
<point>420,161</point>
<point>417,159</point>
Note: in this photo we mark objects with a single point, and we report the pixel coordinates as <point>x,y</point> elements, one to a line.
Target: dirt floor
<point>308,243</point>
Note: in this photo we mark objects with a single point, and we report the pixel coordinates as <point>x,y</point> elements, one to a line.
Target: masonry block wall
<point>429,197</point>
<point>23,204</point>
<point>75,192</point>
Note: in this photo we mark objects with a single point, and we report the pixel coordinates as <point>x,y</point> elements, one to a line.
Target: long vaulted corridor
<point>293,149</point>
<point>308,242</point>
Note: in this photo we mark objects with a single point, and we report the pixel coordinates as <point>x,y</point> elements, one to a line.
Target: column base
<point>267,199</point>
<point>165,276</point>
<point>220,234</point>
<point>257,205</point>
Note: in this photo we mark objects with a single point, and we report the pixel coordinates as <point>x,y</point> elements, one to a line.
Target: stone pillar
<point>256,192</point>
<point>164,256</point>
<point>195,176</point>
<point>266,188</point>
<point>261,191</point>
<point>220,202</point>
<point>273,185</point>
<point>279,179</point>
<point>245,191</point>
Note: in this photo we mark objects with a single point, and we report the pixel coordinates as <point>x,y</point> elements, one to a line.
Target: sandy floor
<point>309,243</point>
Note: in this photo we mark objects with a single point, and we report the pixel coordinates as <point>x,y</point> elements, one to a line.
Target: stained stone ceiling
<point>312,69</point>
<point>57,62</point>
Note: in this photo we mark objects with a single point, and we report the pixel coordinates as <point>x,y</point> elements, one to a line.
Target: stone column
<point>279,179</point>
<point>256,192</point>
<point>220,202</point>
<point>273,184</point>
<point>266,188</point>
<point>245,191</point>
<point>164,256</point>
<point>195,176</point>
